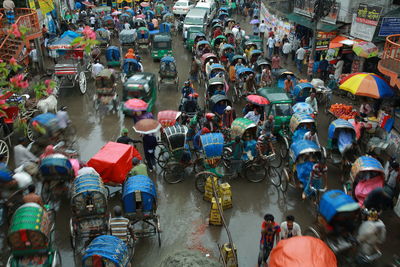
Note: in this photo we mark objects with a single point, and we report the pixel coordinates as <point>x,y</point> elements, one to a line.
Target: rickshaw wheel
<point>71,235</point>
<point>163,158</point>
<point>283,147</point>
<point>198,165</point>
<point>274,176</point>
<point>285,180</point>
<point>173,173</point>
<point>82,82</point>
<point>255,172</point>
<point>29,133</point>
<point>5,151</point>
<point>57,82</point>
<point>158,229</point>
<point>200,180</point>
<point>314,231</point>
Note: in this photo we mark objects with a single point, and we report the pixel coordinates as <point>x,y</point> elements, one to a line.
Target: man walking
<point>286,49</point>
<point>271,45</point>
<point>262,28</point>
<point>269,234</point>
<point>300,53</point>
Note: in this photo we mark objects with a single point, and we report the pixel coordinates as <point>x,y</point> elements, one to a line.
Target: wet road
<point>181,208</point>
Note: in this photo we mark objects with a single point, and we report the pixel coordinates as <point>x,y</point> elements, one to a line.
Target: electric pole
<point>322,8</point>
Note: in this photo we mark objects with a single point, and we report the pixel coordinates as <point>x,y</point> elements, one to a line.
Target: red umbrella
<point>135,104</point>
<point>257,100</point>
<point>168,117</point>
<point>147,126</point>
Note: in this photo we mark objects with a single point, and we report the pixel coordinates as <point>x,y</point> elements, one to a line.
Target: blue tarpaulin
<point>335,201</point>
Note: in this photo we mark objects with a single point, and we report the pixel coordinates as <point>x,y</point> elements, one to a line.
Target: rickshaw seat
<point>66,69</point>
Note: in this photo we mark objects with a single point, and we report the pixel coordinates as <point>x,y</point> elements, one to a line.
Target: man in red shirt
<point>269,233</point>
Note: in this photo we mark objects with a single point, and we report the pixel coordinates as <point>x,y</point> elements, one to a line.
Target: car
<point>182,7</point>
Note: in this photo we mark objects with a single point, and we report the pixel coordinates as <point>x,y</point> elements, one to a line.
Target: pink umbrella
<point>144,4</point>
<point>141,16</point>
<point>257,100</point>
<point>135,104</point>
<point>147,126</point>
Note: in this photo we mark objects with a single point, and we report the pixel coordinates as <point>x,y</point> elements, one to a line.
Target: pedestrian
<point>130,54</point>
<point>339,68</point>
<point>269,235</point>
<point>138,168</point>
<point>32,197</point>
<point>228,117</point>
<point>295,43</point>
<point>237,147</point>
<point>33,54</point>
<point>286,49</point>
<point>120,226</point>
<point>300,53</point>
<point>23,157</point>
<point>323,68</point>
<point>149,146</point>
<point>288,84</point>
<point>312,101</point>
<point>194,70</point>
<point>125,139</point>
<point>276,62</point>
<point>256,29</point>
<point>271,45</point>
<point>290,228</point>
<point>262,29</point>
<point>9,6</point>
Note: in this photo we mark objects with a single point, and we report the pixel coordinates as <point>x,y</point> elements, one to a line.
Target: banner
<point>306,8</point>
<point>322,44</point>
<point>273,22</point>
<point>368,14</point>
<point>389,26</point>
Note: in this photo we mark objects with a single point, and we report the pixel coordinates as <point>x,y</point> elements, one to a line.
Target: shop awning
<point>341,40</point>
<point>306,22</point>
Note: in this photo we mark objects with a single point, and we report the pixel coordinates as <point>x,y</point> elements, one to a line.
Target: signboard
<point>389,26</point>
<point>322,44</point>
<point>273,22</point>
<point>306,8</point>
<point>367,14</point>
<point>326,35</point>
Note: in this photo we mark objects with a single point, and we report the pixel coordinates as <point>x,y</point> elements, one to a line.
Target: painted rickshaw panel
<point>240,125</point>
<point>213,145</point>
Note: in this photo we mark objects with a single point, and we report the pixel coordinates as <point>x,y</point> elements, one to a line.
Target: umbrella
<point>302,251</point>
<point>116,13</point>
<point>88,4</point>
<point>303,107</point>
<point>141,16</point>
<point>254,21</point>
<point>366,84</point>
<point>147,126</point>
<point>257,100</point>
<point>135,104</point>
<point>144,4</point>
<point>365,49</point>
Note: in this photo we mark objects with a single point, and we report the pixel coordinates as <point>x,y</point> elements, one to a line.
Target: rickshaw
<point>139,201</point>
<point>254,56</point>
<point>89,210</point>
<point>161,46</point>
<point>149,14</point>
<point>164,28</point>
<point>259,66</point>
<point>341,137</point>
<point>106,92</point>
<point>168,118</point>
<point>139,23</point>
<point>303,155</point>
<point>216,85</point>
<point>229,20</point>
<point>71,72</point>
<point>125,18</point>
<point>214,22</point>
<point>299,125</point>
<point>240,85</point>
<point>215,26</point>
<point>216,70</point>
<point>301,91</point>
<point>366,174</point>
<point>202,47</point>
<point>215,43</point>
<point>281,75</point>
<point>56,172</point>
<point>107,250</point>
<point>129,68</point>
<point>113,57</point>
<point>218,103</point>
<point>204,60</point>
<point>109,24</point>
<point>31,237</point>
<point>194,35</point>
<point>337,220</point>
<point>222,16</point>
<point>159,9</point>
<point>250,46</point>
<point>143,86</point>
<point>45,129</point>
<point>127,37</point>
<point>189,107</point>
<point>236,58</point>
<point>226,53</point>
<point>143,38</point>
<point>168,73</point>
<point>256,40</point>
<point>225,9</point>
<point>169,17</point>
<point>103,36</point>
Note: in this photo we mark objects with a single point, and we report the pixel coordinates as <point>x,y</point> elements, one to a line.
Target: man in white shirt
<point>271,45</point>
<point>22,155</point>
<point>300,53</point>
<point>312,101</point>
<point>312,136</point>
<point>34,58</point>
<point>254,116</point>
<point>92,21</point>
<point>290,228</point>
<point>97,68</point>
<point>286,49</point>
<point>262,29</point>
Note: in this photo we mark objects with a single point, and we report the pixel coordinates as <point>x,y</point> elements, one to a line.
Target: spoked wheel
<point>285,179</point>
<point>198,165</point>
<point>163,157</point>
<point>158,229</point>
<point>274,176</point>
<point>57,82</point>
<point>226,157</point>
<point>200,180</point>
<point>29,133</point>
<point>276,162</point>
<point>4,151</point>
<point>82,82</point>
<point>283,147</point>
<point>255,172</point>
<point>173,173</point>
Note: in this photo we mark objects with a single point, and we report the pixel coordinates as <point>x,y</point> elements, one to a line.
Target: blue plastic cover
<point>164,27</point>
<point>299,134</point>
<point>107,17</point>
<point>202,42</point>
<point>301,86</point>
<point>168,59</point>
<point>87,183</point>
<point>334,201</point>
<point>147,188</point>
<point>70,34</point>
<point>255,51</point>
<point>213,144</point>
<point>336,124</point>
<point>227,46</point>
<point>224,9</point>
<point>109,247</point>
<point>6,174</point>
<point>243,70</point>
<point>52,165</point>
<point>303,146</point>
<point>216,66</point>
<point>130,64</point>
<point>223,15</point>
<point>45,119</point>
<point>303,171</point>
<point>113,54</point>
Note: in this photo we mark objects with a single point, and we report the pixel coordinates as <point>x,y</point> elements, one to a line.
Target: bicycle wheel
<point>163,158</point>
<point>226,157</point>
<point>274,176</point>
<point>255,172</point>
<point>281,147</point>
<point>284,180</point>
<point>173,173</point>
<point>200,180</point>
<point>276,162</point>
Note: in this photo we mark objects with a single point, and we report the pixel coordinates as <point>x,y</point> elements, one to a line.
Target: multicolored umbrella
<point>135,104</point>
<point>147,126</point>
<point>303,107</point>
<point>366,84</point>
<point>257,100</point>
<point>365,49</point>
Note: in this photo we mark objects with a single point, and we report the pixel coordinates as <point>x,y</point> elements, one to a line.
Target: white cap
<point>228,108</point>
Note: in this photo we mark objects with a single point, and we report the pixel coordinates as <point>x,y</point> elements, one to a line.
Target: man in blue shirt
<point>323,68</point>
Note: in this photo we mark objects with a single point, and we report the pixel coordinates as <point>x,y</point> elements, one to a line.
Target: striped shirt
<point>119,228</point>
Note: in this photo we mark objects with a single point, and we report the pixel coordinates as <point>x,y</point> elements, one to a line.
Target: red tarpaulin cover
<point>114,161</point>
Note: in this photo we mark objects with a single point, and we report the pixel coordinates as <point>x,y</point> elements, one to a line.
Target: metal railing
<point>391,53</point>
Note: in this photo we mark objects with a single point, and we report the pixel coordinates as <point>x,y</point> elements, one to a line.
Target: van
<point>196,17</point>
<point>210,7</point>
